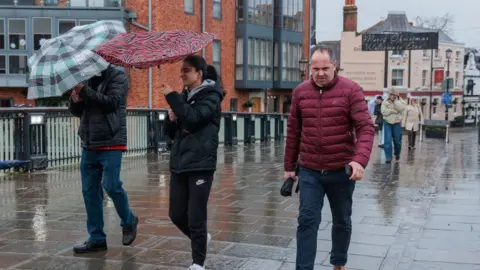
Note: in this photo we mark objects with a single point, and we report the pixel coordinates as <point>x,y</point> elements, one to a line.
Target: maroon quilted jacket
<point>329,127</point>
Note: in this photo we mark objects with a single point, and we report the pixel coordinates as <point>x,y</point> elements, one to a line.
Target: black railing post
<point>228,129</point>
<point>269,130</point>
<point>160,138</point>
<point>249,129</point>
<point>234,129</point>
<point>35,138</point>
<point>263,128</point>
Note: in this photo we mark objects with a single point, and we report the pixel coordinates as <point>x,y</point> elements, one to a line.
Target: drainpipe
<point>132,16</point>
<point>202,23</point>
<point>150,90</point>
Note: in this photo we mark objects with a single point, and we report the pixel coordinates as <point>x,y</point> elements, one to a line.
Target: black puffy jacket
<point>195,132</point>
<point>102,111</point>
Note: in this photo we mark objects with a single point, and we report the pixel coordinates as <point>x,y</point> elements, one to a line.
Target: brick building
<point>257,49</point>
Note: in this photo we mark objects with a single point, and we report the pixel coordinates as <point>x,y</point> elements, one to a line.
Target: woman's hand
<point>165,88</point>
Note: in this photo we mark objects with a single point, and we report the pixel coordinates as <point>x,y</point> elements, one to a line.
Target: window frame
<point>217,64</point>
<point>396,78</point>
<point>6,64</point>
<point>424,79</point>
<point>5,36</point>
<point>86,20</point>
<point>64,20</point>
<point>26,63</point>
<point>188,12</point>
<point>8,34</point>
<point>33,29</point>
<point>218,3</point>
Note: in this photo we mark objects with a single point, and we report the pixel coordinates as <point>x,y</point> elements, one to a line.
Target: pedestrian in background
<point>379,119</point>
<point>101,105</point>
<point>392,111</point>
<point>193,124</point>
<point>329,126</point>
<point>412,121</point>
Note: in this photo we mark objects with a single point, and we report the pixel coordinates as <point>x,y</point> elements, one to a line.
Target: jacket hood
<point>207,85</point>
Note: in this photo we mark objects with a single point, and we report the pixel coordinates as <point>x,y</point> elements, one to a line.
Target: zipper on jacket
<point>320,126</point>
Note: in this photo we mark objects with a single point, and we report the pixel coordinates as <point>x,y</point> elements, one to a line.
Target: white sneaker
<point>196,267</point>
<point>209,239</point>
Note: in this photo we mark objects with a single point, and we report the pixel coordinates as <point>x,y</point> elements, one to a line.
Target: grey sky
<point>466,13</point>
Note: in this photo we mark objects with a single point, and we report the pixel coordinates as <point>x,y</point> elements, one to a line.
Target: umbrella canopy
<point>64,61</point>
<point>144,50</point>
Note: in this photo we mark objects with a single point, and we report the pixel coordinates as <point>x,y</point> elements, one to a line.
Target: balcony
<point>63,3</point>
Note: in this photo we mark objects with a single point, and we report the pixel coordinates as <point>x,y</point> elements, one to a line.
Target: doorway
<point>257,105</point>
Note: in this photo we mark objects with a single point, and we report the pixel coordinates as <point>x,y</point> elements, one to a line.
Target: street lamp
<point>448,55</point>
<point>302,64</point>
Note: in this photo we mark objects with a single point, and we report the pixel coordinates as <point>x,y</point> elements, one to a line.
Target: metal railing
<point>47,137</point>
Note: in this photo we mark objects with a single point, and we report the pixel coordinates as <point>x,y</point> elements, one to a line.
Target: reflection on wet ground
<point>420,213</point>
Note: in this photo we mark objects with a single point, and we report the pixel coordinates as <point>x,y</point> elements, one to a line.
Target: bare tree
<point>444,23</point>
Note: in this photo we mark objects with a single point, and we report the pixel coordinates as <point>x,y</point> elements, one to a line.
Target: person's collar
<point>328,86</point>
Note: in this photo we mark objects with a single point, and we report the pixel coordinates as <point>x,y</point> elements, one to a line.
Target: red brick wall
<point>19,95</point>
<point>169,15</point>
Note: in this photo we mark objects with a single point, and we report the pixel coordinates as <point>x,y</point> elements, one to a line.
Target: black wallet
<point>287,187</point>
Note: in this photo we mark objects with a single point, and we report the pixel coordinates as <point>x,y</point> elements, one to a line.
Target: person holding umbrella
<point>100,104</point>
<point>193,123</point>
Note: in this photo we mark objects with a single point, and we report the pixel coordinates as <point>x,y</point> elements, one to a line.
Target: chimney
<point>350,15</point>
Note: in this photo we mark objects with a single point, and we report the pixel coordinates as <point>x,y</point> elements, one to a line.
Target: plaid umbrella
<point>64,61</point>
<point>144,50</point>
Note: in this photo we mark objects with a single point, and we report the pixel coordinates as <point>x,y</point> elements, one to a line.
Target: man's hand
<point>166,89</point>
<point>357,171</point>
<point>287,175</point>
<point>171,115</point>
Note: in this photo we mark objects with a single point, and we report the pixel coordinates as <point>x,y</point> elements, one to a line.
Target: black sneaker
<point>388,161</point>
<point>88,247</point>
<point>130,232</point>
<point>397,158</point>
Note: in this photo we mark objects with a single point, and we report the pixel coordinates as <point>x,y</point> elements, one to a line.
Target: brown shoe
<point>339,268</point>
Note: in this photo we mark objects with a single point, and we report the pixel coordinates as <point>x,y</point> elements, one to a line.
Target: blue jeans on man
<point>392,132</point>
<point>314,185</point>
<point>95,166</point>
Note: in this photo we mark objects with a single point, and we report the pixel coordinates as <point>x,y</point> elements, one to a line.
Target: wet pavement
<point>420,213</point>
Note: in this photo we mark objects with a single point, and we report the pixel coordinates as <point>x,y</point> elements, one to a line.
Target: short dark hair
<point>380,97</point>
<point>323,49</point>
<point>198,63</point>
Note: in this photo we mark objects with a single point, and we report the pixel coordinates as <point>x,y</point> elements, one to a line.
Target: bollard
<point>277,128</point>
<point>269,130</point>
<point>234,129</point>
<point>263,128</point>
<point>229,129</point>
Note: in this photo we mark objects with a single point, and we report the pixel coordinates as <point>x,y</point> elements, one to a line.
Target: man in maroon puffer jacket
<point>329,127</point>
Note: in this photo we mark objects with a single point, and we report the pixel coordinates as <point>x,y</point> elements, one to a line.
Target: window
<point>259,59</point>
<point>42,31</point>
<point>397,77</point>
<point>458,55</point>
<point>259,11</point>
<point>2,34</point>
<point>457,79</point>
<point>17,64</point>
<point>292,15</point>
<point>292,53</point>
<point>217,9</point>
<point>85,22</point>
<point>436,53</point>
<point>17,39</point>
<point>239,59</point>
<point>240,16</point>
<point>3,64</point>
<point>65,26</point>
<point>188,6</point>
<point>397,53</point>
<point>424,77</point>
<point>425,53</point>
<point>217,52</point>
<point>50,2</point>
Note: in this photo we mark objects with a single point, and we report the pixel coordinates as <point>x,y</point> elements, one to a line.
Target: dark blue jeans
<point>314,185</point>
<point>94,166</point>
<point>392,132</point>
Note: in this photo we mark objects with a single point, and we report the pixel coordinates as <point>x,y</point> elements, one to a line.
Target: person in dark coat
<point>379,118</point>
<point>100,104</point>
<point>193,123</point>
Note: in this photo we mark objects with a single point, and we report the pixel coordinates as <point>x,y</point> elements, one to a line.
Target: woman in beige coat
<point>412,119</point>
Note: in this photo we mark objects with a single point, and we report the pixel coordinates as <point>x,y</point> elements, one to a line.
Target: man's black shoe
<point>130,232</point>
<point>88,247</point>
<point>397,158</point>
<point>388,161</point>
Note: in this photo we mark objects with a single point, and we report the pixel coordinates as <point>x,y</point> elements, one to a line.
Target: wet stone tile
<point>113,253</point>
<point>183,244</point>
<point>44,235</point>
<point>10,259</point>
<point>36,247</point>
<point>71,263</point>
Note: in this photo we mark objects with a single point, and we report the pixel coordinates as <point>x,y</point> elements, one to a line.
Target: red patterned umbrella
<point>144,50</point>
